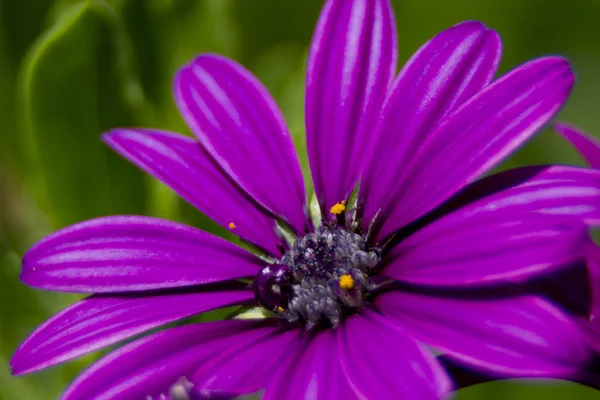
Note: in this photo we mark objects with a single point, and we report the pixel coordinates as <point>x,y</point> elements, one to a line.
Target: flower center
<point>324,276</point>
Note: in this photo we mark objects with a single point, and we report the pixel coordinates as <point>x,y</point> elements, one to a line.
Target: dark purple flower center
<point>324,276</point>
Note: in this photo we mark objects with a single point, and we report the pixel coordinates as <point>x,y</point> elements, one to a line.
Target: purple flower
<point>424,258</point>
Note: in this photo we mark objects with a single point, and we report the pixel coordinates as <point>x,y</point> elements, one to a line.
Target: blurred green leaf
<point>77,84</point>
<point>19,27</point>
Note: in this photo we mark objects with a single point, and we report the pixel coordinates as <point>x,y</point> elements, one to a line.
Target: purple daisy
<point>351,305</point>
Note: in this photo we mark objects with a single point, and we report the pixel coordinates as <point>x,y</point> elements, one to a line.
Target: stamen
<point>346,282</point>
<point>338,208</point>
<point>231,225</point>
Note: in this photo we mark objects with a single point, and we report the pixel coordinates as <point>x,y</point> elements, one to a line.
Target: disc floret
<point>322,277</point>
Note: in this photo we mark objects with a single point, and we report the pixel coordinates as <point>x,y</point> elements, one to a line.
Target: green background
<point>70,70</point>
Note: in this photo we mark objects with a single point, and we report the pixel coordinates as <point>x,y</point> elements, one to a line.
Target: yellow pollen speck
<point>231,225</point>
<point>338,208</point>
<point>346,282</point>
<point>280,309</point>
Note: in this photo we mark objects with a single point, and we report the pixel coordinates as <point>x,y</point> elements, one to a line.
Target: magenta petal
<point>351,65</point>
<point>592,325</point>
<point>100,321</point>
<point>586,144</point>
<point>312,371</point>
<point>382,361</point>
<point>548,190</point>
<point>182,164</point>
<point>149,366</point>
<point>132,253</point>
<point>443,74</point>
<point>244,369</point>
<point>488,247</point>
<point>523,336</point>
<point>477,136</point>
<point>239,124</point>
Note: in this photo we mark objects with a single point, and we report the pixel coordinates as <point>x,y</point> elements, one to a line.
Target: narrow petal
<point>521,336</point>
<point>101,320</point>
<point>548,190</point>
<point>351,66</point>
<point>239,124</point>
<point>382,361</point>
<point>132,253</point>
<point>243,370</point>
<point>591,325</point>
<point>586,144</point>
<point>150,366</point>
<point>473,250</point>
<point>476,137</point>
<point>463,376</point>
<point>312,371</point>
<point>182,164</point>
<point>447,70</point>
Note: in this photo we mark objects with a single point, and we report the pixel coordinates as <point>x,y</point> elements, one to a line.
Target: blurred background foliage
<point>71,69</point>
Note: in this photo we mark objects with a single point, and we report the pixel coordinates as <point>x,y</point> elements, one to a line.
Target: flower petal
<point>591,325</point>
<point>548,190</point>
<point>241,370</point>
<point>351,66</point>
<point>150,366</point>
<point>586,144</point>
<point>101,320</point>
<point>477,136</point>
<point>131,253</point>
<point>239,124</point>
<point>445,72</point>
<point>463,376</point>
<point>312,371</point>
<point>182,164</point>
<point>488,247</point>
<point>520,336</point>
<point>373,350</point>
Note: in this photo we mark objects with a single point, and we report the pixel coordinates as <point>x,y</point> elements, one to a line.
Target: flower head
<point>419,256</point>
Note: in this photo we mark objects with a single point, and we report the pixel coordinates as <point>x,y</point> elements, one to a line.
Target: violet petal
<point>477,136</point>
<point>462,249</point>
<point>444,73</point>
<point>132,253</point>
<point>241,370</point>
<point>101,320</point>
<point>548,190</point>
<point>520,336</point>
<point>351,66</point>
<point>239,124</point>
<point>586,144</point>
<point>149,366</point>
<point>372,349</point>
<point>182,164</point>
<point>312,370</point>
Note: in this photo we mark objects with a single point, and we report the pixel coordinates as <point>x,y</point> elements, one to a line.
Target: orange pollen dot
<point>280,309</point>
<point>231,225</point>
<point>346,282</point>
<point>338,208</point>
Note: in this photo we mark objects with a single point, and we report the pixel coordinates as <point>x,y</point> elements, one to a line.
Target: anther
<point>346,282</point>
<point>231,225</point>
<point>338,208</point>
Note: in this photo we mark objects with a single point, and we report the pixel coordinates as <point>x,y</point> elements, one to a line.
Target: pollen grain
<point>231,225</point>
<point>338,208</point>
<point>346,282</point>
